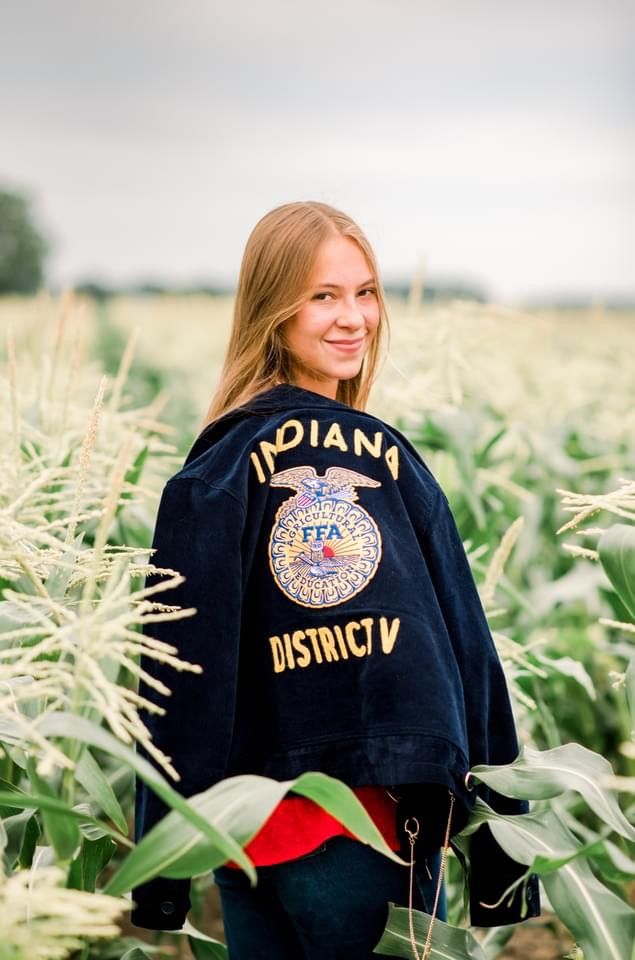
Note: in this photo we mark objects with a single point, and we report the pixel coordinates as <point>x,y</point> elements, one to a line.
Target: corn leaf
<point>90,861</point>
<point>61,829</point>
<point>56,806</point>
<point>60,724</point>
<point>202,946</point>
<point>15,827</point>
<point>616,547</point>
<point>539,775</point>
<point>448,942</point>
<point>29,842</point>
<point>237,806</point>
<point>602,923</point>
<point>614,864</point>
<point>94,782</point>
<point>630,688</point>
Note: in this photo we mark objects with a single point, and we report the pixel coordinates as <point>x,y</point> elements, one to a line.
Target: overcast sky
<point>494,139</point>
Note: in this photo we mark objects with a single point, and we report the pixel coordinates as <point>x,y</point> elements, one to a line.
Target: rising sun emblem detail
<point>324,547</point>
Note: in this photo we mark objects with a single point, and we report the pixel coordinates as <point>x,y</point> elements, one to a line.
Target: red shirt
<point>298,825</point>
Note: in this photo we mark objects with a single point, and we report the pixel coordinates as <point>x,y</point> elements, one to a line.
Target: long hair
<point>273,283</point>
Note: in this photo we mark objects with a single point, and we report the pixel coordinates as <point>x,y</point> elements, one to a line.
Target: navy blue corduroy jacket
<point>338,626</point>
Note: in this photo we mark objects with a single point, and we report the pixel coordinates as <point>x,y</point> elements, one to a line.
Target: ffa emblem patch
<point>324,547</point>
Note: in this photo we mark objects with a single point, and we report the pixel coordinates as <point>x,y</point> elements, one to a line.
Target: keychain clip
<point>414,833</point>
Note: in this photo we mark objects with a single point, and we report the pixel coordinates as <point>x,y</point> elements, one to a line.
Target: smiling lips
<point>348,346</point>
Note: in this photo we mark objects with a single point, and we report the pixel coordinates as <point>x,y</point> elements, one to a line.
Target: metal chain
<point>412,837</point>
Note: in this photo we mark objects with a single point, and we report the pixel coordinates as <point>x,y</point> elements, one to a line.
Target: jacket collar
<point>287,395</point>
<point>284,396</point>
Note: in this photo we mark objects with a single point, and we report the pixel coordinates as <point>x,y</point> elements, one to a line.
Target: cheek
<point>372,316</point>
<point>296,327</point>
<point>305,321</point>
<point>301,332</point>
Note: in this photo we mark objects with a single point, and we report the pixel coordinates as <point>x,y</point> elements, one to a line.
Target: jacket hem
<point>377,760</point>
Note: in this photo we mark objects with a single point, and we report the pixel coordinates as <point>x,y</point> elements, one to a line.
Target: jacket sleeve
<point>197,533</point>
<point>490,723</point>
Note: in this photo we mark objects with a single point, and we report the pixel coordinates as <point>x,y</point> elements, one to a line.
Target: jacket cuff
<point>506,914</point>
<point>161,904</point>
<point>492,872</point>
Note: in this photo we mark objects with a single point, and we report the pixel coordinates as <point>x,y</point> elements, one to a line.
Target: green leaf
<point>15,827</point>
<point>74,878</point>
<point>9,789</point>
<point>448,942</point>
<point>60,575</point>
<point>340,801</point>
<point>239,806</point>
<point>90,828</point>
<point>207,951</point>
<point>61,829</point>
<point>481,456</point>
<point>29,842</point>
<point>455,430</point>
<point>202,946</point>
<point>547,864</point>
<point>630,688</point>
<point>570,668</point>
<point>616,547</point>
<point>132,477</point>
<point>90,861</point>
<point>597,918</point>
<point>602,924</point>
<point>614,864</point>
<point>537,839</point>
<point>539,775</point>
<point>94,782</point>
<point>59,808</point>
<point>60,724</point>
<point>14,615</point>
<point>10,731</point>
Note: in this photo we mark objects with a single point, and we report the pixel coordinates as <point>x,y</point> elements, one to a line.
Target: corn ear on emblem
<point>324,546</point>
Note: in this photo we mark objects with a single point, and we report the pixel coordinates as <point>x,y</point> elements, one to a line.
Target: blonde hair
<point>273,283</point>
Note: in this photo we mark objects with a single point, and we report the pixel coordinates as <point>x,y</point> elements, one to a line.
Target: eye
<point>370,290</point>
<point>324,293</point>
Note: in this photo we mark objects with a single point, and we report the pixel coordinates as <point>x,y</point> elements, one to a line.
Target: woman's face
<point>332,331</point>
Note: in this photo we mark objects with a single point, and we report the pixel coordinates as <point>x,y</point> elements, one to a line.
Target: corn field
<point>527,420</point>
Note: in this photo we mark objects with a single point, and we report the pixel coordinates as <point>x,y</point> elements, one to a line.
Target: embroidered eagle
<point>337,483</point>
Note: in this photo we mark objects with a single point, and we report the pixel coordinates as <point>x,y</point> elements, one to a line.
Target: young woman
<point>338,623</point>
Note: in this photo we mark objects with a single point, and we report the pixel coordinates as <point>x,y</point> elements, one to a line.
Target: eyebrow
<point>335,286</point>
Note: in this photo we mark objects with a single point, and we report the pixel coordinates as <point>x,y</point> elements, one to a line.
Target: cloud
<point>156,134</point>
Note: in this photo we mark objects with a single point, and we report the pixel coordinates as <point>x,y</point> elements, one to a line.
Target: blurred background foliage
<point>23,247</point>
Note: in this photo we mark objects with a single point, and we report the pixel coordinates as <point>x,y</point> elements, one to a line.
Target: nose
<point>351,314</point>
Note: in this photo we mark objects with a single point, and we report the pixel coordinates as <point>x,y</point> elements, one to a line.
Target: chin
<point>350,372</point>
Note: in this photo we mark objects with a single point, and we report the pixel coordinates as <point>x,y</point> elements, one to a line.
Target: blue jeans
<point>331,904</point>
